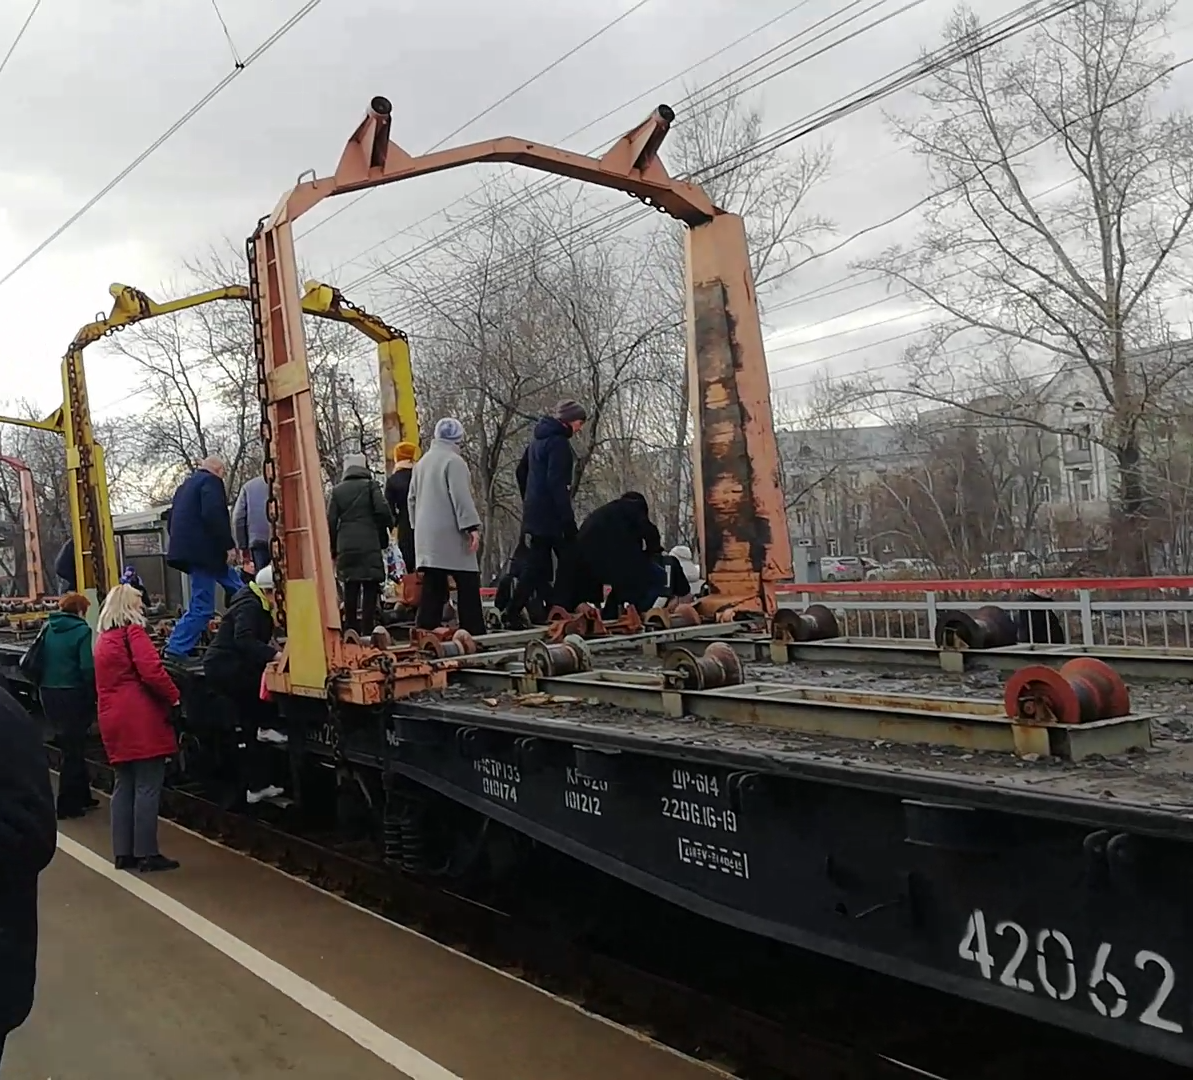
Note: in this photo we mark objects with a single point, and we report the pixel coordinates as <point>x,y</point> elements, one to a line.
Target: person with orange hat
<point>397,491</point>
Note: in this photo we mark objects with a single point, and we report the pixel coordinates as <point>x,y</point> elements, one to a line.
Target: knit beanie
<point>450,430</point>
<point>355,461</point>
<point>405,451</point>
<point>568,410</point>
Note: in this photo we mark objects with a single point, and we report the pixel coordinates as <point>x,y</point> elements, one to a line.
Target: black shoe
<point>91,803</point>
<point>125,862</point>
<point>152,863</point>
<point>70,812</point>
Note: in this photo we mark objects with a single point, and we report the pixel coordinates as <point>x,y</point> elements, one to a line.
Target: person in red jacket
<point>135,698</point>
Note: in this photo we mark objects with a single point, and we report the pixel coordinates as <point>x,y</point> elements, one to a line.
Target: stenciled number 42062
<point>1056,970</point>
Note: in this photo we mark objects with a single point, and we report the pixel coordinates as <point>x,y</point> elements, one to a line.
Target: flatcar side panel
<point>1079,927</point>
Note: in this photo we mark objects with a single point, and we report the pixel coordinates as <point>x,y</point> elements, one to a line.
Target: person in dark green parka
<point>359,521</point>
<point>68,698</point>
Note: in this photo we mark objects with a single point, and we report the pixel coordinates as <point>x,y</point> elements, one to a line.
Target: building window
<point>863,545</point>
<point>801,515</point>
<point>858,511</point>
<point>832,547</point>
<point>855,482</point>
<point>1082,436</point>
<point>1083,486</point>
<point>1045,491</point>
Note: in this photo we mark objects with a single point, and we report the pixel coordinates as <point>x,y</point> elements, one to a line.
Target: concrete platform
<point>227,968</point>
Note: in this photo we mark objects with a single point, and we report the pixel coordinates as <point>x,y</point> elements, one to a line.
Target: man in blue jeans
<point>201,546</point>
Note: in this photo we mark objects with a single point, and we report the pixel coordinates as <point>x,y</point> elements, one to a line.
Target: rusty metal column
<point>308,578</point>
<point>741,518</point>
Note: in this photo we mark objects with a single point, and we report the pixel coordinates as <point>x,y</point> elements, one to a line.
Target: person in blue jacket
<point>201,546</point>
<point>548,521</point>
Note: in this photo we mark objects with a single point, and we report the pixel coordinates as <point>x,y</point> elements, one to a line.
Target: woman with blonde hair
<point>135,698</point>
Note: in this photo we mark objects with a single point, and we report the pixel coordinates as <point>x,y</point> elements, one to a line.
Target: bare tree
<point>1059,215</point>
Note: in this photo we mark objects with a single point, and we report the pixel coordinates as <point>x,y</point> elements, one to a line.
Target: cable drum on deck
<point>989,627</point>
<point>718,666</point>
<point>567,657</point>
<point>1083,690</point>
<point>816,623</point>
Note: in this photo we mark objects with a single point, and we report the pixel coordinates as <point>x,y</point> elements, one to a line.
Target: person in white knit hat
<point>446,530</point>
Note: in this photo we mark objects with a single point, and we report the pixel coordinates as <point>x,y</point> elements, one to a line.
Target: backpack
<point>32,664</point>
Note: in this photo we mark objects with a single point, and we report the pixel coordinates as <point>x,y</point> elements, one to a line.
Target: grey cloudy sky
<point>92,84</point>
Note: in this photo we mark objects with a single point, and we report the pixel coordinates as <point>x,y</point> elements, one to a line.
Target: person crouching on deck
<point>135,698</point>
<point>446,531</point>
<point>201,547</point>
<point>234,664</point>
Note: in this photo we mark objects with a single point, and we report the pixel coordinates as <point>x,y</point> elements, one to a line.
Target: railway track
<point>743,1015</point>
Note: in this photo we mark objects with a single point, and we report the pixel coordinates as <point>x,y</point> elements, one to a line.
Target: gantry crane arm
<point>31,526</point>
<point>741,519</point>
<point>96,562</point>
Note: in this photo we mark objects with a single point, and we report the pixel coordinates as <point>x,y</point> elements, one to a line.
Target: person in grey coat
<point>446,530</point>
<point>250,523</point>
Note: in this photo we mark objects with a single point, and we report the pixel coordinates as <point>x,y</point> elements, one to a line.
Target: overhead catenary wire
<point>495,105</point>
<point>20,34</point>
<point>1026,15</point>
<point>470,195</point>
<point>169,133</point>
<point>236,60</point>
<point>701,101</point>
<point>1160,76</point>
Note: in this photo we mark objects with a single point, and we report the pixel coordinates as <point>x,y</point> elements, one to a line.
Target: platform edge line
<point>362,1031</point>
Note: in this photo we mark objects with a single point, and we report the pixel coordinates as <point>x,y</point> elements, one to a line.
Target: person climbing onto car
<point>201,546</point>
<point>619,546</point>
<point>233,666</point>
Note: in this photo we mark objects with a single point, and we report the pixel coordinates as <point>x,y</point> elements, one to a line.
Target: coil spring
<point>404,838</point>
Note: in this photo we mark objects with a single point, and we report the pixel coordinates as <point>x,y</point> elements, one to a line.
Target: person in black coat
<point>619,546</point>
<point>201,546</point>
<point>28,837</point>
<point>64,567</point>
<point>233,665</point>
<point>548,521</point>
<point>397,494</point>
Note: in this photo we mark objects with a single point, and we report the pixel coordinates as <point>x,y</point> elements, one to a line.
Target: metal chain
<point>277,552</point>
<point>86,466</point>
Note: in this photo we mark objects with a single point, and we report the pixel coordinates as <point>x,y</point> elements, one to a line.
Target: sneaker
<point>269,735</point>
<point>152,863</point>
<point>272,791</point>
<point>125,862</point>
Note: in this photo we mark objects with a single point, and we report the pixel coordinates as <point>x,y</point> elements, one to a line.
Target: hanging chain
<point>90,507</point>
<point>277,552</point>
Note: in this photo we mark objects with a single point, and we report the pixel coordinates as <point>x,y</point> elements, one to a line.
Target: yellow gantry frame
<point>96,563</point>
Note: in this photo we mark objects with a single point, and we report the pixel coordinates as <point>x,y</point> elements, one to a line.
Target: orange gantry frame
<point>741,520</point>
<point>35,580</point>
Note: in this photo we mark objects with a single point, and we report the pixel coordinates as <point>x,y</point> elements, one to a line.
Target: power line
<point>572,134</point>
<point>20,34</point>
<point>499,102</point>
<point>1011,23</point>
<point>702,100</point>
<point>227,34</point>
<point>172,130</point>
<point>836,112</point>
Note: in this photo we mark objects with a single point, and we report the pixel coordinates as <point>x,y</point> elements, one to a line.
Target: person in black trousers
<point>548,521</point>
<point>67,691</point>
<point>28,837</point>
<point>446,531</point>
<point>397,494</point>
<point>358,521</point>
